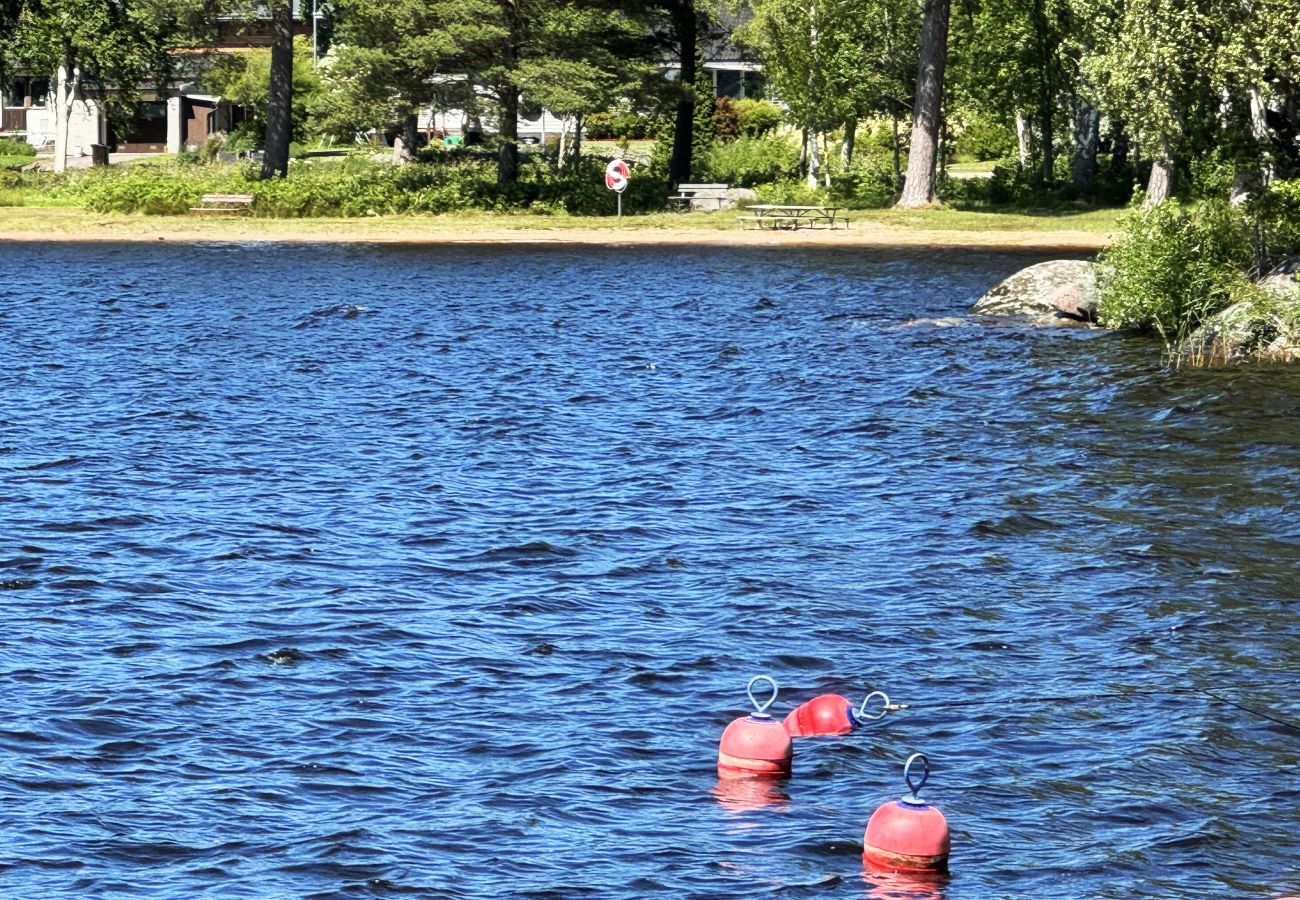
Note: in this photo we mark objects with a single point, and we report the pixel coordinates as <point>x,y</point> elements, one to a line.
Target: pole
<point>315,18</point>
<point>620,209</point>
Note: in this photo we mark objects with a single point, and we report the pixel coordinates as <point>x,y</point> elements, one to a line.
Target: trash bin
<point>98,155</point>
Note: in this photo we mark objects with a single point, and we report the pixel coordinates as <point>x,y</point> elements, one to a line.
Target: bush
<point>756,118</point>
<point>1173,269</point>
<point>10,147</point>
<point>790,190</point>
<point>869,182</point>
<point>359,186</point>
<point>748,162</point>
<point>983,140</point>
<point>726,123</point>
<point>1278,212</point>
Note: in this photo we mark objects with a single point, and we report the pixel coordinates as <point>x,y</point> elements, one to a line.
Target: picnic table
<point>776,215</point>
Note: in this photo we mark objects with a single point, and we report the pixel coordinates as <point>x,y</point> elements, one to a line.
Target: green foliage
<point>702,128</point>
<point>358,186</point>
<point>10,147</point>
<point>749,162</point>
<point>790,190</point>
<point>983,139</point>
<point>756,118</point>
<point>726,123</point>
<point>245,80</point>
<point>1173,269</point>
<point>869,182</point>
<point>1275,214</point>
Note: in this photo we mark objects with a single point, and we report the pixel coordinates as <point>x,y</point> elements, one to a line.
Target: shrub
<point>984,140</point>
<point>790,190</point>
<point>755,118</point>
<point>869,182</point>
<point>10,147</point>
<point>726,123</point>
<point>1172,269</point>
<point>747,162</point>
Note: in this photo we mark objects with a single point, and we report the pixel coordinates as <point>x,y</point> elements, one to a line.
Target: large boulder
<point>742,197</point>
<point>1245,332</point>
<point>1059,292</point>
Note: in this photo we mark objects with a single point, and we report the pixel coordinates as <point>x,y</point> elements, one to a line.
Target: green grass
<point>14,161</point>
<point>949,219</point>
<point>984,167</point>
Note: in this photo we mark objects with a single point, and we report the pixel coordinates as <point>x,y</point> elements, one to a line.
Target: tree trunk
<point>898,151</point>
<point>508,155</point>
<point>65,94</point>
<point>1087,135</point>
<point>850,139</point>
<point>1262,176</point>
<point>1024,140</point>
<point>814,161</point>
<point>918,188</point>
<point>684,26</point>
<point>1119,147</point>
<point>279,110</point>
<point>1046,88</point>
<point>1160,185</point>
<point>404,147</point>
<point>575,152</point>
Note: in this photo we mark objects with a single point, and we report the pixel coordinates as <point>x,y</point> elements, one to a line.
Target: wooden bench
<point>701,196</point>
<point>224,203</point>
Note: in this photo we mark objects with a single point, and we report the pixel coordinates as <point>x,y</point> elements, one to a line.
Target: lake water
<point>335,571</point>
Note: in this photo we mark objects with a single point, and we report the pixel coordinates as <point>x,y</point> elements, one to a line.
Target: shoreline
<point>66,225</point>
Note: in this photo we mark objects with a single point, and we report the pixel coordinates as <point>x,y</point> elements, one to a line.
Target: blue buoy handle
<point>914,789</point>
<point>760,709</point>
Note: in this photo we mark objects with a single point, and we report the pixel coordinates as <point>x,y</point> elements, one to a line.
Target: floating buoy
<point>833,714</point>
<point>908,835</point>
<point>755,745</point>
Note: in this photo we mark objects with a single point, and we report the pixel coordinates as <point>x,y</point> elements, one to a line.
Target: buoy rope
<point>1113,695</point>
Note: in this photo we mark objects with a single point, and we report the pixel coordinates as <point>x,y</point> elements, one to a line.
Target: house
<point>27,113</point>
<point>168,117</point>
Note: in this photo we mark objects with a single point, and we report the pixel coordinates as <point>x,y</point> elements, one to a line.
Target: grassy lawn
<point>15,161</point>
<point>973,168</point>
<point>947,219</point>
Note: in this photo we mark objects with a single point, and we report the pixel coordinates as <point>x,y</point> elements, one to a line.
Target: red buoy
<point>827,714</point>
<point>833,714</point>
<point>756,745</point>
<point>908,835</point>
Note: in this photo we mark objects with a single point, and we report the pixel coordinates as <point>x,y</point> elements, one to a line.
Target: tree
<point>91,45</point>
<point>922,158</point>
<point>814,52</point>
<point>1150,71</point>
<point>593,55</point>
<point>245,80</point>
<point>397,57</point>
<point>279,107</point>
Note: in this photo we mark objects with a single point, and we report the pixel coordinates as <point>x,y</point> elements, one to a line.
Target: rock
<point>1059,292</point>
<point>1284,286</point>
<point>1288,266</point>
<point>1247,332</point>
<point>741,197</point>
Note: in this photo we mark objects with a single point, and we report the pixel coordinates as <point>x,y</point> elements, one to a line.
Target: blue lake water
<point>334,571</point>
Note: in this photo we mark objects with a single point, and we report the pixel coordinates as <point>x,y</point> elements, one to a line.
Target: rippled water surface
<point>341,571</point>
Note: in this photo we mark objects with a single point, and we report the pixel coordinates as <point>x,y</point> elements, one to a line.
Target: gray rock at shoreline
<point>1288,266</point>
<point>1250,332</point>
<point>1059,292</point>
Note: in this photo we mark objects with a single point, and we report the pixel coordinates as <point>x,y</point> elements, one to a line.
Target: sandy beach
<point>74,225</point>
